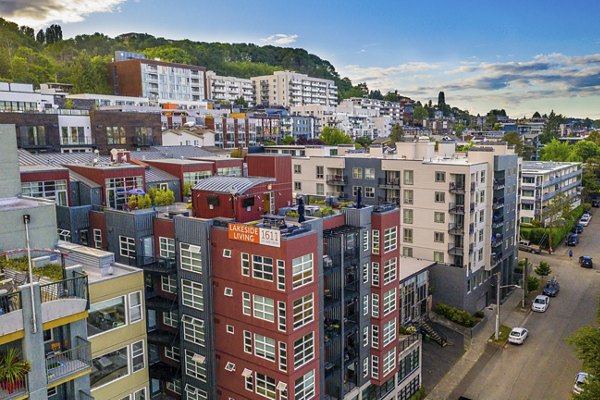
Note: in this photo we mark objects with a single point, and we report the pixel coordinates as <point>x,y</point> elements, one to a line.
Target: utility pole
<point>498,284</point>
<point>525,282</point>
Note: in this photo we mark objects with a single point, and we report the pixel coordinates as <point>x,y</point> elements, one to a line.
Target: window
<point>53,190</point>
<point>118,361</point>
<point>440,176</point>
<point>297,169</point>
<point>64,234</point>
<point>194,177</point>
<point>389,270</point>
<point>246,305</point>
<point>304,387</point>
<point>283,356</point>
<point>190,257</point>
<point>369,173</point>
<point>482,176</point>
<point>193,393</point>
<point>193,366</point>
<point>408,235</point>
<point>365,367</point>
<point>320,172</point>
<point>127,247</point>
<point>167,247</point>
<point>304,350</point>
<point>264,308</point>
<point>482,196</point>
<point>247,342</point>
<point>366,336</point>
<point>264,347</point>
<point>375,241</point>
<point>226,253</point>
<point>365,272</point>
<point>230,329</point>
<point>369,192</point>
<point>365,239</point>
<point>480,235</point>
<point>408,177</point>
<point>302,270</point>
<point>320,189</point>
<point>481,216</point>
<point>438,237</point>
<point>375,273</point>
<point>137,356</point>
<point>365,305</point>
<point>117,189</point>
<point>115,135</point>
<point>303,310</point>
<point>174,386</point>
<point>440,197</point>
<point>171,318</point>
<point>97,238</point>
<point>281,275</point>
<point>439,217</point>
<point>375,336</point>
<point>229,171</point>
<point>249,383</point>
<point>106,315</point>
<point>407,251</point>
<point>389,362</point>
<point>262,268</point>
<point>389,332</point>
<point>245,261</point>
<point>355,190</point>
<point>282,323</point>
<point>408,197</point>
<point>265,386</point>
<point>389,301</point>
<point>438,256</point>
<point>135,307</point>
<point>408,216</point>
<point>193,330</point>
<point>375,366</point>
<point>357,172</point>
<point>168,284</point>
<point>375,305</point>
<point>192,295</point>
<point>297,185</point>
<point>390,239</point>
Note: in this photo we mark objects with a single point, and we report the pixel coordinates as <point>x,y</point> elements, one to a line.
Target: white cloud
<point>38,13</point>
<point>279,39</point>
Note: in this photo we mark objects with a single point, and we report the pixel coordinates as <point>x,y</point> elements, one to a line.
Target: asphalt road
<point>544,367</point>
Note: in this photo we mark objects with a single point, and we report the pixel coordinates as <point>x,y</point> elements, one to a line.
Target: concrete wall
<point>10,184</point>
<point>42,228</point>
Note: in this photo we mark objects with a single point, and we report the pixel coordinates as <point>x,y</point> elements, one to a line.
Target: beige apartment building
<point>459,210</point>
<point>229,88</point>
<point>288,88</point>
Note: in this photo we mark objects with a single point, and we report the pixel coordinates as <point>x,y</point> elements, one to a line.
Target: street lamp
<point>498,287</point>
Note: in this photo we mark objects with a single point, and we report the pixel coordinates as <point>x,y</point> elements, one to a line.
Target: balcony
<point>454,250</point>
<point>456,209</point>
<point>389,183</point>
<point>498,204</point>
<point>71,288</point>
<point>15,390</point>
<point>457,187</point>
<point>163,337</point>
<point>157,265</point>
<point>76,141</point>
<point>498,184</point>
<point>62,365</point>
<point>457,230</point>
<point>339,180</point>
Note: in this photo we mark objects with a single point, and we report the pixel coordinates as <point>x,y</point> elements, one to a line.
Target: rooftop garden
<point>53,272</point>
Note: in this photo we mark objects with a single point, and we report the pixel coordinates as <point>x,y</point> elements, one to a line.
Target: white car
<point>580,382</point>
<point>540,303</point>
<point>518,335</point>
<point>585,220</point>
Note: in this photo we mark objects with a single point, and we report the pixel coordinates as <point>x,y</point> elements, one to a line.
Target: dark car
<point>552,288</point>
<point>578,229</point>
<point>586,262</point>
<point>573,239</point>
<point>595,203</point>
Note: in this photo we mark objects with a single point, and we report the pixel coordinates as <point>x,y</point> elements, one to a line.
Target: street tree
<point>287,140</point>
<point>556,151</point>
<point>543,269</point>
<point>334,136</point>
<point>397,133</point>
<point>555,214</point>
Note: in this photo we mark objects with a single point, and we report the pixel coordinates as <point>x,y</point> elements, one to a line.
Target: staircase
<point>437,337</point>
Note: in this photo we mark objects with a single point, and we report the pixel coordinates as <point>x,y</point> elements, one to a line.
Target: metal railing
<point>336,180</point>
<point>76,287</point>
<point>62,364</point>
<point>405,342</point>
<point>456,187</point>
<point>16,389</point>
<point>10,302</point>
<point>389,182</point>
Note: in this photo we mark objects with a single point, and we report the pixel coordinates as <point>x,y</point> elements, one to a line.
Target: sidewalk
<point>511,314</point>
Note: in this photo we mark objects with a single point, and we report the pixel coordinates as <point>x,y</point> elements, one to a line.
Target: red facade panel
<point>162,228</point>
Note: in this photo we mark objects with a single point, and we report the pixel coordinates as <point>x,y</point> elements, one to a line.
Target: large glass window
<point>33,135</point>
<point>389,332</point>
<point>389,270</point>
<point>304,387</point>
<point>195,176</point>
<point>389,361</point>
<point>109,367</point>
<point>72,135</point>
<point>193,330</point>
<point>53,190</point>
<point>264,347</point>
<point>115,135</point>
<point>167,247</point>
<point>389,301</point>
<point>190,257</point>
<point>265,386</point>
<point>304,350</point>
<point>302,270</point>
<point>390,239</point>
<point>192,294</point>
<point>194,367</point>
<point>127,246</point>
<point>262,268</point>
<point>168,284</point>
<point>106,315</point>
<point>117,189</point>
<point>303,310</point>
<point>264,308</point>
<point>229,171</point>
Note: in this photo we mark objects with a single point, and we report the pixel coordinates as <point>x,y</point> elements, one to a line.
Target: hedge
<point>457,315</point>
<point>539,236</point>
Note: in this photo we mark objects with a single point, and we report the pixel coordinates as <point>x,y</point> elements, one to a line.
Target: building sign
<point>254,234</point>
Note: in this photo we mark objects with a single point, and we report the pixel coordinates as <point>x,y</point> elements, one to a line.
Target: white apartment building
<point>323,115</point>
<point>229,88</point>
<point>542,181</point>
<point>20,97</point>
<point>288,88</point>
<point>382,108</point>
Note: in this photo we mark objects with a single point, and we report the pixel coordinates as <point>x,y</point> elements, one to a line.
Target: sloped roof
<point>75,177</point>
<point>27,158</point>
<point>158,175</point>
<point>161,152</point>
<point>230,184</point>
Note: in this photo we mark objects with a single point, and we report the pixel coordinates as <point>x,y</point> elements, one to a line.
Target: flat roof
<point>546,166</point>
<point>41,168</point>
<point>180,161</point>
<point>94,274</point>
<point>17,203</point>
<point>410,266</point>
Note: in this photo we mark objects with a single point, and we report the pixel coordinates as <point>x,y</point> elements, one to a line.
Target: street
<point>544,367</point>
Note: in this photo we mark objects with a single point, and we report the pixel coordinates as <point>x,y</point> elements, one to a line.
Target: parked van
<point>573,239</point>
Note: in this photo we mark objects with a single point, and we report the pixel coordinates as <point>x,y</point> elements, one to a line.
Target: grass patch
<point>502,337</point>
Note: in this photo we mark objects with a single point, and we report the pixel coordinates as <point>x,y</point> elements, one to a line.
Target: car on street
<point>578,229</point>
<point>540,303</point>
<point>573,239</point>
<point>580,381</point>
<point>585,219</point>
<point>595,203</point>
<point>586,262</point>
<point>518,335</point>
<point>552,288</point>
<point>526,245</point>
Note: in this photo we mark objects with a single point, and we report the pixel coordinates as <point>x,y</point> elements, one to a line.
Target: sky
<point>522,56</point>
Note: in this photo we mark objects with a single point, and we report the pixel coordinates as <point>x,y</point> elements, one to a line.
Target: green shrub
<point>533,283</point>
<point>292,214</point>
<point>457,315</point>
<point>479,314</point>
<point>346,204</point>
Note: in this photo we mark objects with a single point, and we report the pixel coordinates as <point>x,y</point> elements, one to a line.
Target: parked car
<point>596,203</point>
<point>573,239</point>
<point>526,245</point>
<point>552,288</point>
<point>580,381</point>
<point>585,219</point>
<point>586,262</point>
<point>540,303</point>
<point>518,335</point>
<point>578,229</point>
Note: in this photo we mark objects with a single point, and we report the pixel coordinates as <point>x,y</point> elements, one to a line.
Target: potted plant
<point>12,370</point>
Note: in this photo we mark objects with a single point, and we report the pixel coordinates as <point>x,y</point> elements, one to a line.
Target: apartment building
<point>153,79</point>
<point>288,88</point>
<point>229,88</point>
<point>381,108</point>
<point>323,115</point>
<point>542,181</point>
<point>459,211</point>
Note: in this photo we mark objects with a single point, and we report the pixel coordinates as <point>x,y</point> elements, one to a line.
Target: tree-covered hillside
<point>82,60</point>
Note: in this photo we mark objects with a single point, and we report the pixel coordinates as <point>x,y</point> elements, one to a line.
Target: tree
<point>53,34</point>
<point>287,140</point>
<point>240,101</point>
<point>555,214</point>
<point>397,133</point>
<point>364,141</point>
<point>40,37</point>
<point>334,136</point>
<point>459,129</point>
<point>556,151</point>
<point>584,150</point>
<point>164,197</point>
<point>392,96</point>
<point>491,120</point>
<point>376,95</point>
<point>543,269</point>
<point>552,127</point>
<point>169,53</point>
<point>536,115</point>
<point>419,114</point>
<point>533,283</point>
<point>441,100</point>
<point>522,149</point>
<point>27,31</point>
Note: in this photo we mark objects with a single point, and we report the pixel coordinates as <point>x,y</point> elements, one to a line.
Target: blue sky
<point>523,56</point>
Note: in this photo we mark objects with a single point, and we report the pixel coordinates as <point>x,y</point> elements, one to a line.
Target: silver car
<point>540,303</point>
